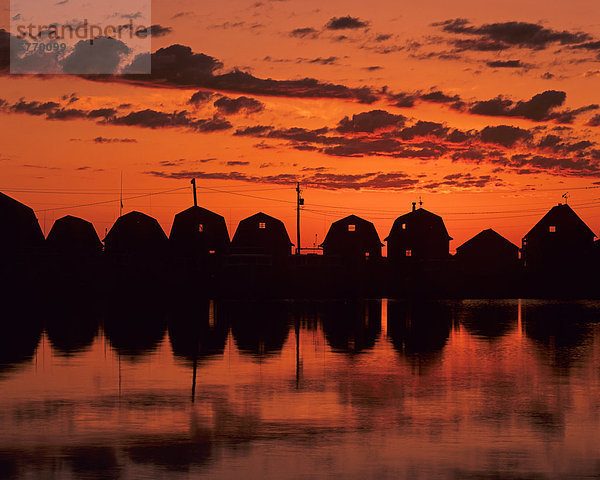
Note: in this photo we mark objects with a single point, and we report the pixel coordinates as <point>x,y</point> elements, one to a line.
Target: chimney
<point>414,206</point>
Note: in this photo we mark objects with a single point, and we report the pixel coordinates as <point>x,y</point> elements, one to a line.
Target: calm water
<point>371,389</point>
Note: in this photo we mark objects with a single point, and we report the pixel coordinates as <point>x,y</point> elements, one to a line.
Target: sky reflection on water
<point>360,389</point>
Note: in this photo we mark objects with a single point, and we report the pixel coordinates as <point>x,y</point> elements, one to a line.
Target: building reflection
<point>487,319</point>
<point>351,326</point>
<point>136,327</point>
<point>197,332</point>
<point>419,330</point>
<point>260,328</point>
<point>560,330</point>
<point>21,334</point>
<point>72,326</point>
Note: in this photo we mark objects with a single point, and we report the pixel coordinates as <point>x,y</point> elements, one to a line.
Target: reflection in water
<point>135,327</point>
<point>561,330</point>
<point>21,332</point>
<point>197,333</point>
<point>72,326</point>
<point>488,319</point>
<point>260,328</point>
<point>419,330</point>
<point>351,326</point>
<point>387,389</point>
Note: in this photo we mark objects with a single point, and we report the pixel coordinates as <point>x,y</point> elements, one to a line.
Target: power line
<point>109,201</point>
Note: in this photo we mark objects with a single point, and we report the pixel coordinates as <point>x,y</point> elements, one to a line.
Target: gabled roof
<point>422,219</point>
<point>134,227</point>
<point>558,215</point>
<point>188,220</point>
<point>248,227</point>
<point>73,232</point>
<point>341,228</point>
<point>20,226</point>
<point>487,237</point>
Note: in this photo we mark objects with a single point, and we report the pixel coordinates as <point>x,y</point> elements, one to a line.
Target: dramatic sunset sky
<point>489,111</point>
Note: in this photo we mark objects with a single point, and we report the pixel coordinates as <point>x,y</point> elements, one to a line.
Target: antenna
<point>420,201</point>
<point>566,197</point>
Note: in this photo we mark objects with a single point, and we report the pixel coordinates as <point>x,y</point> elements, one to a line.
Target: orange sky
<point>474,180</point>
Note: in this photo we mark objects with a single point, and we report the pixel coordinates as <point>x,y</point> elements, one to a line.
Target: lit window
<point>262,225</point>
<point>552,228</point>
<point>351,228</point>
<point>211,252</point>
<point>200,228</point>
<point>404,226</point>
<point>408,253</point>
<point>367,254</point>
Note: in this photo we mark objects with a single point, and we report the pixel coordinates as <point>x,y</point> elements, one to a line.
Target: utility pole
<point>299,202</point>
<point>193,182</point>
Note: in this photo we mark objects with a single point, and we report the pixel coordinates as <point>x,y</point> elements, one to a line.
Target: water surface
<point>359,389</point>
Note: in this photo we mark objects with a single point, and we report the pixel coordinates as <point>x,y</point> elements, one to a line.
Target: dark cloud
<point>423,129</point>
<point>102,113</point>
<point>34,108</point>
<point>588,45</point>
<point>66,114</point>
<point>516,34</point>
<point>178,66</point>
<point>304,32</point>
<point>477,45</point>
<point>504,135</point>
<point>383,37</point>
<point>320,60</point>
<point>436,96</point>
<point>254,131</point>
<point>154,119</point>
<point>594,121</point>
<point>507,64</point>
<point>231,106</point>
<point>547,76</point>
<point>370,122</point>
<point>539,107</point>
<point>317,178</point>
<point>104,55</point>
<point>154,31</point>
<point>347,22</point>
<point>236,163</point>
<point>404,100</point>
<point>200,96</point>
<point>114,140</point>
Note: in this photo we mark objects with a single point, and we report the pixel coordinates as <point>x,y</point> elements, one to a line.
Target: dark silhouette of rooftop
<point>198,231</point>
<point>559,239</point>
<point>263,235</point>
<point>72,235</point>
<point>418,235</point>
<point>352,238</point>
<point>20,227</point>
<point>135,233</point>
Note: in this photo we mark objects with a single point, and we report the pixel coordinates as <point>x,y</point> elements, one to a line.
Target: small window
<point>404,226</point>
<point>262,225</point>
<point>367,255</point>
<point>200,228</point>
<point>211,252</point>
<point>408,253</point>
<point>552,228</point>
<point>351,228</point>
